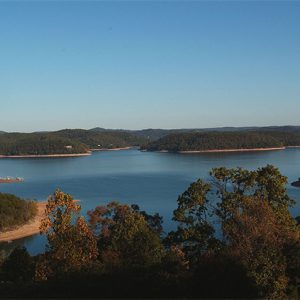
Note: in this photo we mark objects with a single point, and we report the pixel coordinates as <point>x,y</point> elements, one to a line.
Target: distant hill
<point>38,144</point>
<point>216,140</point>
<point>70,141</point>
<point>102,139</point>
<point>155,134</point>
<point>67,141</point>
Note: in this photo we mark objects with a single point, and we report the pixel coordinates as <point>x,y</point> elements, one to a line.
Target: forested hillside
<point>38,144</point>
<point>63,142</point>
<point>201,141</point>
<point>154,134</point>
<point>101,139</point>
<point>72,141</point>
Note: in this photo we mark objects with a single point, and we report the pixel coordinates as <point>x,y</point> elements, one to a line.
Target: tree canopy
<point>235,238</point>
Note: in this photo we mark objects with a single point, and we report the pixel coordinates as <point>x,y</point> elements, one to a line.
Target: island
<point>200,142</point>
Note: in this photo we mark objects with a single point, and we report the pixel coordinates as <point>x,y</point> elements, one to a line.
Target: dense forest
<point>38,144</point>
<point>155,134</point>
<point>201,141</point>
<point>63,142</point>
<point>71,141</point>
<point>235,238</point>
<point>97,139</point>
<point>15,211</point>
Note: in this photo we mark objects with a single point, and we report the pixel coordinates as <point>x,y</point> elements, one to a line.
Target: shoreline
<point>234,150</point>
<point>90,152</point>
<point>28,229</point>
<point>223,150</point>
<point>111,149</point>
<point>47,155</point>
<point>65,154</point>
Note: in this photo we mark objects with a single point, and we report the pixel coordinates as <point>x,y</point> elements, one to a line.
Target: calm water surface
<point>151,180</point>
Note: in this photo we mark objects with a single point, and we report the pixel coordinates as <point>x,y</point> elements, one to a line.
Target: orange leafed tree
<point>71,244</point>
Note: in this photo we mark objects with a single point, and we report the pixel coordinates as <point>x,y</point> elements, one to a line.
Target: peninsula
<point>64,143</point>
<point>201,142</point>
<point>30,227</point>
<point>296,183</point>
<point>15,212</point>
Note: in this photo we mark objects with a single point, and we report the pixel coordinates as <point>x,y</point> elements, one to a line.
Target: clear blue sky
<point>141,64</point>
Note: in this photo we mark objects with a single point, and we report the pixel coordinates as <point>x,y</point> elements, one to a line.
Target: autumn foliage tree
<point>235,238</point>
<point>256,228</point>
<point>71,244</point>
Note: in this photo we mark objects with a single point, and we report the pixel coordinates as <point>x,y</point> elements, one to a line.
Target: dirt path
<point>28,229</point>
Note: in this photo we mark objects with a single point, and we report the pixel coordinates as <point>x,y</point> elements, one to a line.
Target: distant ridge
<point>155,134</point>
<point>152,134</point>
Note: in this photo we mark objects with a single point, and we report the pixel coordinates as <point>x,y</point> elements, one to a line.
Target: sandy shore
<point>111,149</point>
<point>31,228</point>
<point>46,155</point>
<point>234,150</point>
<point>288,147</point>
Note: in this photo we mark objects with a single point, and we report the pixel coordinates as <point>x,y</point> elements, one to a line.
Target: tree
<point>125,239</point>
<point>71,244</point>
<point>195,233</point>
<point>256,228</point>
<point>256,239</point>
<point>18,266</point>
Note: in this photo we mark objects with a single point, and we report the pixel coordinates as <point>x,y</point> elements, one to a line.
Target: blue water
<point>151,180</point>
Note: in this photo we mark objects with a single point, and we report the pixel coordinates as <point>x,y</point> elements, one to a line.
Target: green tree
<point>18,266</point>
<point>256,227</point>
<point>125,239</point>
<point>195,233</point>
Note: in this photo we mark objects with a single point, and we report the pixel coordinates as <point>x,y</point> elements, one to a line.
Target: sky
<point>148,64</point>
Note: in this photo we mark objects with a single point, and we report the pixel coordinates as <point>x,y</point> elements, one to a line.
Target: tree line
<point>235,238</point>
<point>201,141</point>
<point>63,142</point>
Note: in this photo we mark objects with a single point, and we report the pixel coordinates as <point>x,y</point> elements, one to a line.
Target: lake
<point>151,180</point>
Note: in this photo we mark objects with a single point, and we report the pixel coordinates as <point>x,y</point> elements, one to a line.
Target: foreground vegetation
<point>235,238</point>
<point>63,142</point>
<point>201,141</point>
<point>15,211</point>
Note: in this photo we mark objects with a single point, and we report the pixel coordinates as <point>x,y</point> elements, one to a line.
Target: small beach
<point>111,149</point>
<point>31,228</point>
